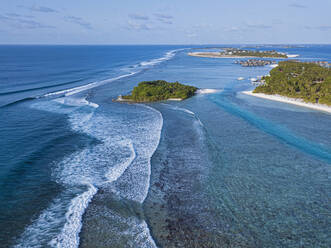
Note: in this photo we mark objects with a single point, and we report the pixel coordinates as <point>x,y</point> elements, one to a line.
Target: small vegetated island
<point>240,53</point>
<point>255,62</point>
<point>310,82</point>
<point>159,90</point>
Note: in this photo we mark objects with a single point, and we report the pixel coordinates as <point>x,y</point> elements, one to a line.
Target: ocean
<point>221,169</point>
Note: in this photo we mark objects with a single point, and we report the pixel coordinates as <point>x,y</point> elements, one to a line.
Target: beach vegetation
<point>159,90</point>
<point>252,53</point>
<point>308,81</point>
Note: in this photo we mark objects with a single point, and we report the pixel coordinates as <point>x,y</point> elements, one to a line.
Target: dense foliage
<point>150,91</point>
<point>307,81</point>
<point>261,54</point>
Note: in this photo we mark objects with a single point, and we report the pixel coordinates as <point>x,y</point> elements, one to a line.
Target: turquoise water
<point>228,170</point>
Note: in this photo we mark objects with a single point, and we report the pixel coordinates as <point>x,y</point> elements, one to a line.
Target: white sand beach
<point>292,55</point>
<point>207,91</point>
<point>174,99</point>
<point>298,102</point>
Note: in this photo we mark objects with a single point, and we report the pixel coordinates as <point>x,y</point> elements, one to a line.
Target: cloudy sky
<point>164,21</point>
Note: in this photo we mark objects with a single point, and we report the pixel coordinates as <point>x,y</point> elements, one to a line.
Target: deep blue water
<point>63,142</point>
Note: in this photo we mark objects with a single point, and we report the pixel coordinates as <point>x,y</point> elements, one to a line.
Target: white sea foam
<point>72,90</point>
<point>143,238</point>
<point>273,66</point>
<point>154,140</point>
<point>144,64</point>
<point>200,122</point>
<point>124,154</point>
<point>77,102</point>
<point>179,109</point>
<point>197,122</point>
<point>136,228</point>
<point>69,237</point>
<point>167,56</point>
<point>184,110</point>
<point>38,233</point>
<point>116,171</point>
<point>75,90</point>
<point>145,138</point>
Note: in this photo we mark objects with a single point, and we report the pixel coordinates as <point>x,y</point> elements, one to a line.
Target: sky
<point>165,21</point>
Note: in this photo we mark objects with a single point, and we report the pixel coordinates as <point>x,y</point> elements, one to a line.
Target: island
<point>159,90</point>
<point>240,53</point>
<point>306,84</point>
<point>255,62</point>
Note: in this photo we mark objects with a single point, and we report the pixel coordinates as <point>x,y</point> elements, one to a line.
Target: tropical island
<point>255,62</point>
<point>303,83</point>
<point>240,53</point>
<point>159,90</point>
<point>307,81</point>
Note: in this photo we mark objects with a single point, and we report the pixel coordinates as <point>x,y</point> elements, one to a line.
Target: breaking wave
<point>122,157</point>
<point>141,65</point>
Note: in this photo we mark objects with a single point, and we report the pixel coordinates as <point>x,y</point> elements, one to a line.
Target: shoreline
<point>217,55</point>
<point>294,101</point>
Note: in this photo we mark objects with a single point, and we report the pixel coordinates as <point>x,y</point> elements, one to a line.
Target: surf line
<point>71,91</point>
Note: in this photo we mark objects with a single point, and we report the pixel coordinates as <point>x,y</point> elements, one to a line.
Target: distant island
<point>307,81</point>
<point>240,53</point>
<point>159,90</point>
<point>255,62</point>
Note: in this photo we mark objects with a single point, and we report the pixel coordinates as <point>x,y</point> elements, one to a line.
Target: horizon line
<point>132,44</point>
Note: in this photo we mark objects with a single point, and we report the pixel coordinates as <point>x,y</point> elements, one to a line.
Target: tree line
<point>158,90</point>
<point>308,81</point>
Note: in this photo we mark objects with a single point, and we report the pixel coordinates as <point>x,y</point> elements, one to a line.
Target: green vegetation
<point>250,53</point>
<point>150,91</point>
<point>307,81</point>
